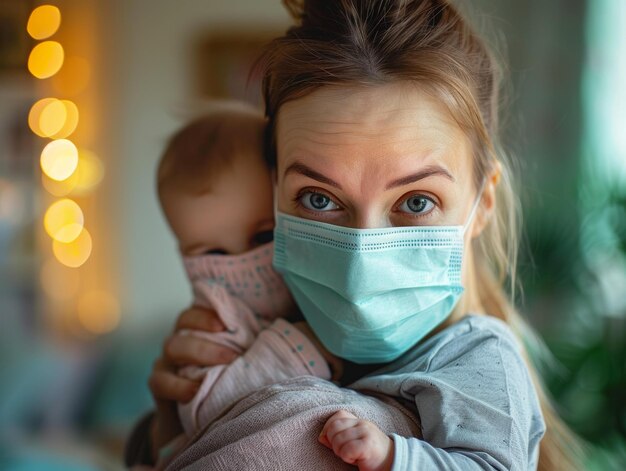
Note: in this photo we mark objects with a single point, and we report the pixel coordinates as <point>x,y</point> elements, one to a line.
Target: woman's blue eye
<point>417,204</point>
<point>317,201</point>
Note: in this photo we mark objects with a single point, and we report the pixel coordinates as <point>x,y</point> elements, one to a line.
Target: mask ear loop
<point>474,207</point>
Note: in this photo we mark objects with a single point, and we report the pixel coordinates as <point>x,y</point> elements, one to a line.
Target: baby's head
<point>214,185</point>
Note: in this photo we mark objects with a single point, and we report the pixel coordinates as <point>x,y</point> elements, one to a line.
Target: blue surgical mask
<point>370,294</point>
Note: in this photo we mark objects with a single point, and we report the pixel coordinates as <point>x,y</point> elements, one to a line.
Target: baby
<point>216,193</point>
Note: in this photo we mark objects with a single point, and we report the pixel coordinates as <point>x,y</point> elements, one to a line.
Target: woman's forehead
<point>392,123</point>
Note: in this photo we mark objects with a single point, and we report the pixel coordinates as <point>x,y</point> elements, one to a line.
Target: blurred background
<point>90,282</point>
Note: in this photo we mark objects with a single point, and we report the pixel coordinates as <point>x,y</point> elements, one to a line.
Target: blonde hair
<point>206,145</point>
<point>428,42</point>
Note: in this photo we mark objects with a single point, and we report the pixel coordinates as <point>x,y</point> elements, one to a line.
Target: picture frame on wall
<point>224,62</point>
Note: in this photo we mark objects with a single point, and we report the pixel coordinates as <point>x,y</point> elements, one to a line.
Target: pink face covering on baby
<point>248,276</point>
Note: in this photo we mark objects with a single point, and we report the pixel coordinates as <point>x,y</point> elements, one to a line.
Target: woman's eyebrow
<point>300,168</point>
<point>426,172</point>
<point>429,171</point>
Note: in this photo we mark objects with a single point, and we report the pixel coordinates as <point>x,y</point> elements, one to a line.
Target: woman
<point>383,116</point>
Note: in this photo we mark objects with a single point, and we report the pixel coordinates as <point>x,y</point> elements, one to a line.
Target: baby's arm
<point>268,355</point>
<point>279,352</point>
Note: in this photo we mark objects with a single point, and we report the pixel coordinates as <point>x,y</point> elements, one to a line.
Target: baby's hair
<point>197,152</point>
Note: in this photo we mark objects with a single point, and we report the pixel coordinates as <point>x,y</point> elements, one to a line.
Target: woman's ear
<point>487,204</point>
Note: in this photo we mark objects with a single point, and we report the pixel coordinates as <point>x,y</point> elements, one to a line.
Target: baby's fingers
<point>167,385</point>
<point>349,444</point>
<point>188,350</point>
<point>339,421</point>
<point>198,318</point>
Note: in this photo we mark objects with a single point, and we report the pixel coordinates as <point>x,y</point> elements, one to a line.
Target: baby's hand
<point>358,442</point>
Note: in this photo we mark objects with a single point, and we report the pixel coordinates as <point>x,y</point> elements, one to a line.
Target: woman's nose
<point>369,220</point>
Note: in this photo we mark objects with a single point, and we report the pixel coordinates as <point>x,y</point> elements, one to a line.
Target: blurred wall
<point>543,48</point>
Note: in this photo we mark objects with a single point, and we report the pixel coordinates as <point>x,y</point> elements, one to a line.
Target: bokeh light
<point>90,172</point>
<point>45,59</point>
<point>44,21</point>
<point>98,312</point>
<point>76,253</point>
<point>71,120</point>
<point>64,220</point>
<point>60,188</point>
<point>73,78</point>
<point>34,116</point>
<point>59,282</point>
<point>52,118</point>
<point>59,159</point>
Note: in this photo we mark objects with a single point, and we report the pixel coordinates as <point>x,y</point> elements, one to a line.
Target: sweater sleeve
<point>477,405</point>
<point>412,453</point>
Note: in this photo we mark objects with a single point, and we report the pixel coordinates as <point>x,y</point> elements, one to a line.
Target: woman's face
<point>369,157</point>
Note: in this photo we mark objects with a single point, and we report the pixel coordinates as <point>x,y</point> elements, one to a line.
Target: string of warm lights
<point>69,172</point>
